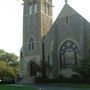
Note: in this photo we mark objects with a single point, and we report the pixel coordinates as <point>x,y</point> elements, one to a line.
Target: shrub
<point>83,69</point>
<point>75,78</point>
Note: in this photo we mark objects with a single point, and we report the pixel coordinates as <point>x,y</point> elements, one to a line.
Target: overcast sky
<point>11,12</point>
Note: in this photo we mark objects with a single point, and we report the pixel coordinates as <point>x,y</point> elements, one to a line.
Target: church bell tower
<point>37,20</point>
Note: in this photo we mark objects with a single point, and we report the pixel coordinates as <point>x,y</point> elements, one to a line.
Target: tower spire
<point>66,1</point>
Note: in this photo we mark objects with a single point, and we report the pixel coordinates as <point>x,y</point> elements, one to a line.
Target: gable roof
<point>68,11</point>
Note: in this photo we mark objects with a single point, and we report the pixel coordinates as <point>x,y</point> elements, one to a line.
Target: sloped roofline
<point>73,10</point>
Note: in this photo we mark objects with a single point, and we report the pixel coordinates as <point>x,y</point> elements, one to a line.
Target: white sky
<point>11,12</point>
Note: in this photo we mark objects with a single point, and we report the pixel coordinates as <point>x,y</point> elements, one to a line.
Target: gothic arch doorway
<point>33,68</point>
<point>68,54</point>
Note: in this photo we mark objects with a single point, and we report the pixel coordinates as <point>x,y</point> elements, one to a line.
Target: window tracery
<point>68,54</point>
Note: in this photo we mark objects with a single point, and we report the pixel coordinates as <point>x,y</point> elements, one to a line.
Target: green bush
<point>83,69</point>
<point>75,78</point>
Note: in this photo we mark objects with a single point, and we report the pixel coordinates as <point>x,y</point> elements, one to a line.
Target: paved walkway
<point>58,87</point>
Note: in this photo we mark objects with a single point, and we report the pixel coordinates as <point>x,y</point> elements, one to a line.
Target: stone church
<point>60,45</point>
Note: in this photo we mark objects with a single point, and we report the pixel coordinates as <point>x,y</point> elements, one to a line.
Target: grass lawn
<point>17,87</point>
<point>76,85</point>
<point>30,87</point>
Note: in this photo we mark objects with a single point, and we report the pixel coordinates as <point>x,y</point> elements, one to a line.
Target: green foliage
<point>9,65</point>
<point>9,58</point>
<point>83,68</point>
<point>6,71</point>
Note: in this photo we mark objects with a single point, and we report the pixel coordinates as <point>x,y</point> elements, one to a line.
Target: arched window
<point>68,54</point>
<point>31,44</point>
<point>35,7</point>
<point>30,9</point>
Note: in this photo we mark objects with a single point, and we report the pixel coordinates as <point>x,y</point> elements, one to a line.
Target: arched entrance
<point>33,68</point>
<point>68,54</point>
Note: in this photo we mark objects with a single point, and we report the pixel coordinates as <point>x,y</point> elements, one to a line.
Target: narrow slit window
<point>66,19</point>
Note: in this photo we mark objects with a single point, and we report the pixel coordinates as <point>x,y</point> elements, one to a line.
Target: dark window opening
<point>21,55</point>
<point>67,19</point>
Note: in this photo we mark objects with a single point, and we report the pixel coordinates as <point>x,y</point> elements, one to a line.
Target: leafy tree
<point>83,68</point>
<point>11,59</point>
<point>6,71</point>
<point>9,65</point>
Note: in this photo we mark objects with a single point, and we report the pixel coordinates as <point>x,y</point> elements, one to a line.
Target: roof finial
<point>66,1</point>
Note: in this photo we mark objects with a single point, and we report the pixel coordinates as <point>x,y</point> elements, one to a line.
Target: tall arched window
<point>31,44</point>
<point>68,54</point>
<point>35,7</point>
<point>30,9</point>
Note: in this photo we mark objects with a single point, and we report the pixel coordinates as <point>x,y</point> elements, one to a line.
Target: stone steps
<point>27,80</point>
